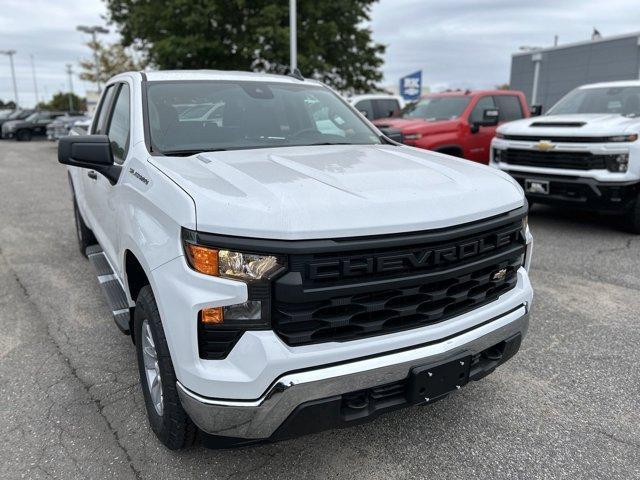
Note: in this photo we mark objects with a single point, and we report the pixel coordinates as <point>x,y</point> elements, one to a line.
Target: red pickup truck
<point>461,124</point>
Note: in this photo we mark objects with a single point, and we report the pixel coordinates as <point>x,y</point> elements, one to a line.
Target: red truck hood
<point>409,125</point>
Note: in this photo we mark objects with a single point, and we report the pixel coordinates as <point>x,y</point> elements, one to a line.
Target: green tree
<point>10,105</point>
<point>503,86</point>
<point>60,101</point>
<point>113,59</point>
<point>334,44</point>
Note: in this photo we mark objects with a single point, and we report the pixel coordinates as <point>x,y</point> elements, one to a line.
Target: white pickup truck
<point>583,153</point>
<point>281,266</point>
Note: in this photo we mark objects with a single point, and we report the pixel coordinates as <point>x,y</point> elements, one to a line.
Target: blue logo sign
<point>411,86</point>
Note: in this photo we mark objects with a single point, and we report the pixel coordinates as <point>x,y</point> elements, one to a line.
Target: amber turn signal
<point>212,316</point>
<point>202,259</point>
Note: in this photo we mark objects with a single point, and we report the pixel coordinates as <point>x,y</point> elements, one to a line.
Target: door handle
<point>93,175</point>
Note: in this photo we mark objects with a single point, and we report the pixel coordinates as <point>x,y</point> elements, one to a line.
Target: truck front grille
<point>553,159</point>
<point>346,296</point>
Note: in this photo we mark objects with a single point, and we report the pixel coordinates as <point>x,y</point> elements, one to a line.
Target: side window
<point>365,106</point>
<point>485,103</point>
<point>100,119</point>
<point>118,130</point>
<point>509,106</point>
<point>385,108</point>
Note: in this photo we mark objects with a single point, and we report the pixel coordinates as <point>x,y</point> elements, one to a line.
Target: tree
<point>60,101</point>
<point>504,86</point>
<point>10,105</point>
<point>334,45</point>
<point>113,59</point>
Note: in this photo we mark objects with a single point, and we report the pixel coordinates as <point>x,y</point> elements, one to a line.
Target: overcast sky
<point>456,43</point>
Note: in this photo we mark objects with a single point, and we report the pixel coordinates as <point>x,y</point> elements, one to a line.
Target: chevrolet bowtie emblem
<point>499,275</point>
<point>545,145</point>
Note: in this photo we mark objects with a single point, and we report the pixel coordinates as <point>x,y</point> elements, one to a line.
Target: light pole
<point>10,54</point>
<point>70,73</point>
<point>293,36</point>
<point>35,82</point>
<point>93,31</point>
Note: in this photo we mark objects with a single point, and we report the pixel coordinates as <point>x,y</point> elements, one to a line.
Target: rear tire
<point>83,233</point>
<point>167,418</point>
<point>632,218</point>
<point>23,136</point>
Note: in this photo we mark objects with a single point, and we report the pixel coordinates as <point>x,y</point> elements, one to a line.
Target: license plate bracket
<point>431,382</point>
<point>540,187</point>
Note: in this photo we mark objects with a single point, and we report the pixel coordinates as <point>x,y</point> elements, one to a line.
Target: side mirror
<point>490,117</point>
<point>89,151</point>
<point>535,110</point>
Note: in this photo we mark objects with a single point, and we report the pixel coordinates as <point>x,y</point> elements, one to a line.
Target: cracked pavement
<point>71,407</point>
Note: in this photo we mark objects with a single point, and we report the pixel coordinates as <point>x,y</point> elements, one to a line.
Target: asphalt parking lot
<point>71,407</point>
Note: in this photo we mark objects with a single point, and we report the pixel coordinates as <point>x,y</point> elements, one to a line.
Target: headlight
<point>499,135</point>
<point>622,138</point>
<point>617,163</point>
<point>412,136</point>
<point>231,264</point>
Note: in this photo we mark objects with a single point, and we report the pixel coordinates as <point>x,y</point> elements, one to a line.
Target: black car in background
<point>34,124</point>
<point>15,115</point>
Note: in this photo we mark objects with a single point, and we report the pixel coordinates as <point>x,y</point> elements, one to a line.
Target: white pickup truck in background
<point>283,267</point>
<point>583,153</point>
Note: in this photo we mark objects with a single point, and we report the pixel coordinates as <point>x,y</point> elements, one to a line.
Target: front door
<point>99,191</point>
<point>478,139</point>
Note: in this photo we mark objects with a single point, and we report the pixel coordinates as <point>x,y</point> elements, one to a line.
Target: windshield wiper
<point>188,153</point>
<point>323,143</point>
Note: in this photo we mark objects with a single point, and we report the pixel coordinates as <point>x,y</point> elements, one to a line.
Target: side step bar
<point>113,292</point>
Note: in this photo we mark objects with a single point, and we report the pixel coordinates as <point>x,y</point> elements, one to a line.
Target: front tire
<point>632,218</point>
<point>23,136</point>
<point>167,418</point>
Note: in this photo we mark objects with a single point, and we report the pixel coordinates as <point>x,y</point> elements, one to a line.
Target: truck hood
<point>596,125</point>
<point>410,125</point>
<point>337,191</point>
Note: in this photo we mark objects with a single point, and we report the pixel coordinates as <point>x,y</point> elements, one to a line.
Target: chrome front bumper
<point>259,419</point>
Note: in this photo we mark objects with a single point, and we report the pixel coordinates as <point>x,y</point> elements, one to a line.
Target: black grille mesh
<point>385,311</point>
<point>566,160</point>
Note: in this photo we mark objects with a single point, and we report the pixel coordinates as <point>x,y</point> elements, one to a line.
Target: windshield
<point>18,114</point>
<point>5,114</point>
<point>437,108</point>
<point>241,115</point>
<point>614,100</point>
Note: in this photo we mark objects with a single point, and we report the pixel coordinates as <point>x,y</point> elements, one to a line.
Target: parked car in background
<point>15,115</point>
<point>461,124</point>
<point>61,126</point>
<point>584,152</point>
<point>34,125</point>
<point>81,127</point>
<point>376,105</point>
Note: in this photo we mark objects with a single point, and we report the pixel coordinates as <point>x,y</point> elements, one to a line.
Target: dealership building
<point>545,75</point>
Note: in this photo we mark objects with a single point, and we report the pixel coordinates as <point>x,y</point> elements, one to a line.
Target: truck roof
<point>459,93</point>
<point>622,83</point>
<point>168,75</point>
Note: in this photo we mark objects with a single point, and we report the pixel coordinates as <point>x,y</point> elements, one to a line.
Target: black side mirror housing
<point>89,151</point>
<point>490,118</point>
<point>535,110</point>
